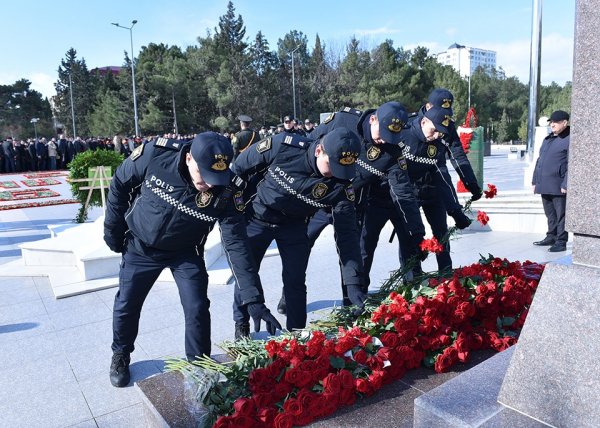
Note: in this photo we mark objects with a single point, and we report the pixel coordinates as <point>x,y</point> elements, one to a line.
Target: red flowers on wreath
<point>432,245</point>
<point>491,191</point>
<point>482,218</point>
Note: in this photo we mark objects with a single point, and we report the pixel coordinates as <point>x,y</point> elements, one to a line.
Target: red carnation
<point>482,218</point>
<point>432,245</point>
<point>491,192</point>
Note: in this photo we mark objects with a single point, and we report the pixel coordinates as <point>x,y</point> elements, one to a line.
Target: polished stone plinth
<point>553,375</point>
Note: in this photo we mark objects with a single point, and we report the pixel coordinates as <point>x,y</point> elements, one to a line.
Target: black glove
<point>460,219</point>
<point>475,191</point>
<point>357,297</point>
<point>259,312</point>
<point>115,244</point>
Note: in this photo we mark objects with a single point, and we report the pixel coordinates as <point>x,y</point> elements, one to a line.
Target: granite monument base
<point>553,376</point>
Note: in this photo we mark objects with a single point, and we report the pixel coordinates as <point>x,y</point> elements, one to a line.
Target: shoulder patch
<point>264,145</point>
<point>168,143</point>
<point>350,193</point>
<point>238,201</point>
<point>329,118</point>
<point>137,152</point>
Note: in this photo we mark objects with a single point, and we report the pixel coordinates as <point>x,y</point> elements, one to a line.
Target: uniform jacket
<point>153,200</point>
<point>242,140</point>
<point>293,189</point>
<point>384,162</point>
<point>422,159</point>
<point>550,173</point>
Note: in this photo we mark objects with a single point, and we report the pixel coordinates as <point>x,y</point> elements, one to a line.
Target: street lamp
<point>294,81</point>
<point>34,121</point>
<point>135,111</point>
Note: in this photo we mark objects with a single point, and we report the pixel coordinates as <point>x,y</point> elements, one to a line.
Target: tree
<point>18,105</point>
<point>502,130</point>
<point>73,75</point>
<point>108,117</point>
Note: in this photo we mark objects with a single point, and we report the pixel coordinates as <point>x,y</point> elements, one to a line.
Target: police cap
<point>558,116</point>
<point>288,118</point>
<point>213,153</point>
<point>391,116</point>
<point>440,117</point>
<point>244,118</point>
<point>343,147</point>
<point>441,97</point>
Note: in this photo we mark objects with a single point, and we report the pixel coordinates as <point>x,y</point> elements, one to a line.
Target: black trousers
<point>138,274</point>
<point>555,207</point>
<point>294,250</point>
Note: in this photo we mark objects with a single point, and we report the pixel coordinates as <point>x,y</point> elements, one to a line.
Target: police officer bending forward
<point>163,201</point>
<point>301,176</point>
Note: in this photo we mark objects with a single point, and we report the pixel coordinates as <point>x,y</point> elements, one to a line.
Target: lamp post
<point>34,121</point>
<point>294,81</point>
<point>135,111</point>
<point>72,107</point>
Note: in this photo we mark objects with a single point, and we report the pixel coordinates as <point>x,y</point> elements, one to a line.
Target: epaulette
<point>293,140</point>
<point>168,143</point>
<point>351,111</point>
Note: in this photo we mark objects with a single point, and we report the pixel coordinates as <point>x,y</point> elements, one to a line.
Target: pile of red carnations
<point>438,323</point>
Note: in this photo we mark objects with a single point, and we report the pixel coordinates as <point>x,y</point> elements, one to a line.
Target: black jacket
<point>293,190</point>
<point>153,199</point>
<point>551,169</point>
<point>376,163</point>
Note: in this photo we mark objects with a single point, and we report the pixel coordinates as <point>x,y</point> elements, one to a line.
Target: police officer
<point>245,137</point>
<point>164,200</point>
<point>301,176</point>
<point>422,143</point>
<point>379,160</point>
<point>289,125</point>
<point>443,98</point>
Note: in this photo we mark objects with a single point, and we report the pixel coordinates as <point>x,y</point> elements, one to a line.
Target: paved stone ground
<point>55,353</point>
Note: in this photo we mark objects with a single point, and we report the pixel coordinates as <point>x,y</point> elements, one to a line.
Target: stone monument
<point>551,377</point>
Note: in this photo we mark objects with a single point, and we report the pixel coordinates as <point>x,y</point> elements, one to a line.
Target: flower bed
<point>437,322</point>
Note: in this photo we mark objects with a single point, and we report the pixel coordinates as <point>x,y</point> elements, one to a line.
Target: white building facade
<point>465,59</point>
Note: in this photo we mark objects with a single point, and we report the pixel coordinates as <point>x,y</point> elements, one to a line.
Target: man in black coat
<point>550,180</point>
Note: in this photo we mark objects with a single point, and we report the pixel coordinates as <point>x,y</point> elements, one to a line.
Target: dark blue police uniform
<point>292,190</point>
<point>377,164</point>
<point>157,219</point>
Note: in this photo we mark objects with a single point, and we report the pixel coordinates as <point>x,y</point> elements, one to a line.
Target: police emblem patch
<point>350,193</point>
<point>238,200</point>
<point>373,153</point>
<point>319,190</point>
<point>137,152</point>
<point>402,162</point>
<point>203,199</point>
<point>263,145</point>
<point>431,150</point>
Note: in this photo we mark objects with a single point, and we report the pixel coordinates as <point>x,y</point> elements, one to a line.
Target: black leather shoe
<point>242,329</point>
<point>558,247</point>
<point>545,241</point>
<point>281,306</point>
<point>119,370</point>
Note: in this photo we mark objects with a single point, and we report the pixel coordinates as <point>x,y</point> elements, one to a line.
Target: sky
<point>37,34</point>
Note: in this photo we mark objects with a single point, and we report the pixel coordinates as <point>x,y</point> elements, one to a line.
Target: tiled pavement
<point>55,353</point>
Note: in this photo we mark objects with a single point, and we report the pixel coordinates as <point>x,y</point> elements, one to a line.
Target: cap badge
<point>348,158</point>
<point>373,153</point>
<point>396,125</point>
<point>319,190</point>
<point>203,199</point>
<point>446,103</point>
<point>220,164</point>
<point>431,150</point>
<point>446,120</point>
